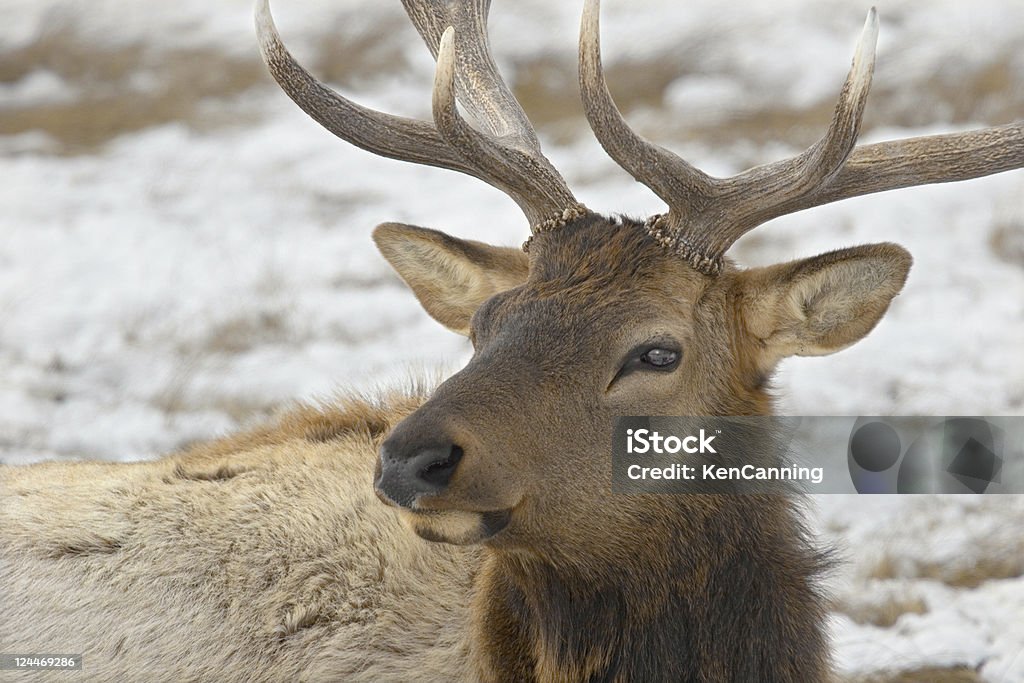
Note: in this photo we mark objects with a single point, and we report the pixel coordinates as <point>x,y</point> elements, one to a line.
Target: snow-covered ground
<point>182,251</point>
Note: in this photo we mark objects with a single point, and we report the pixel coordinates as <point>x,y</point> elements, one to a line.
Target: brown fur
<point>264,556</point>
<point>586,585</point>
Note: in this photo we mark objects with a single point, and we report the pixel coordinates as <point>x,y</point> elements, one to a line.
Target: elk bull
<point>268,556</point>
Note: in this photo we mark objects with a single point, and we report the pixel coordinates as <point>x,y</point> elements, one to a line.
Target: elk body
<point>496,550</point>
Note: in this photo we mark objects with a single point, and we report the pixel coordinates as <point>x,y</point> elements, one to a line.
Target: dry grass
<point>348,58</point>
<point>245,332</point>
<point>955,674</point>
<point>111,102</point>
<point>172,399</point>
<point>232,336</point>
<point>992,95</point>
<point>175,399</point>
<point>1007,241</point>
<point>129,87</point>
<point>178,82</point>
<point>1005,565</point>
<point>883,613</point>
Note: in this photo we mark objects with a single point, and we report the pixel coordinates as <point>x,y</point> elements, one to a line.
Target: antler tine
<point>480,87</point>
<point>511,161</point>
<point>507,148</point>
<point>752,195</point>
<point>391,136</point>
<point>758,189</point>
<point>685,188</point>
<point>833,169</point>
<point>736,205</point>
<point>507,155</point>
<point>707,215</point>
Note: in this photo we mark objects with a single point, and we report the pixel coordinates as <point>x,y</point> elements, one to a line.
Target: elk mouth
<point>457,527</point>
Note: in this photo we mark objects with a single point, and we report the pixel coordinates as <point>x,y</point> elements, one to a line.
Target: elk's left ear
<point>822,304</point>
<point>450,277</point>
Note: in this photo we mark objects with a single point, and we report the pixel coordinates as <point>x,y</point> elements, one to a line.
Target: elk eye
<point>649,358</point>
<point>660,358</point>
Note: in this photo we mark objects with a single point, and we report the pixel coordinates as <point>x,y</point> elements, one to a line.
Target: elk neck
<point>726,580</point>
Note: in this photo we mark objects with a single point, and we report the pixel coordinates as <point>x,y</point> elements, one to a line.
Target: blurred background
<point>182,251</point>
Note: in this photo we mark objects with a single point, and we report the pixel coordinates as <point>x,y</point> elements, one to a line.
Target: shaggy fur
<point>260,557</point>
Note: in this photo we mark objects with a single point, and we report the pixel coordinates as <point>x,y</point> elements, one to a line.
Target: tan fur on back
<point>259,557</point>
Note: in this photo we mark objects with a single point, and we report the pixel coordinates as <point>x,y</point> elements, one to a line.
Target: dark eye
<point>660,358</point>
<point>657,357</point>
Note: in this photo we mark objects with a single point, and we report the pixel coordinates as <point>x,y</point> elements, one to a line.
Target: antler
<point>504,152</point>
<point>707,215</point>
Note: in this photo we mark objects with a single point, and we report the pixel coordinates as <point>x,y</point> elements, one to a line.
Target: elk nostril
<point>439,472</point>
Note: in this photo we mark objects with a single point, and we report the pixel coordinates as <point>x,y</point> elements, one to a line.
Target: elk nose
<point>402,476</point>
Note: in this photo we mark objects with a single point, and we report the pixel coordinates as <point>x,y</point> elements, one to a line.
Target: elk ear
<point>450,277</point>
<point>822,304</point>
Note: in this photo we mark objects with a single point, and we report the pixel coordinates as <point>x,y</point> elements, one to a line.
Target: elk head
<point>599,317</point>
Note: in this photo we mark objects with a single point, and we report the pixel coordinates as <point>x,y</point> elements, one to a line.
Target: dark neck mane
<point>740,604</point>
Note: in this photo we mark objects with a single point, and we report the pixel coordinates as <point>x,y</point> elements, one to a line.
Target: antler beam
<point>707,215</point>
<point>505,153</point>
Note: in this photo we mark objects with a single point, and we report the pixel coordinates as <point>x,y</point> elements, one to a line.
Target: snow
<point>183,251</point>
